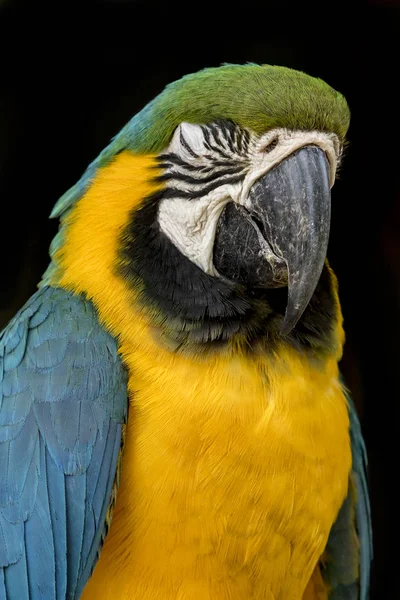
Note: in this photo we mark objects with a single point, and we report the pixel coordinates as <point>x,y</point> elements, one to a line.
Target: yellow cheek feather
<point>235,465</point>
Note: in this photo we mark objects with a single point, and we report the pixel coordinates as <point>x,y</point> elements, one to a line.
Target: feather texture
<point>349,549</point>
<point>63,400</point>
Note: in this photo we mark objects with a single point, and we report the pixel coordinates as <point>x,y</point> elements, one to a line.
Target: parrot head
<point>234,239</point>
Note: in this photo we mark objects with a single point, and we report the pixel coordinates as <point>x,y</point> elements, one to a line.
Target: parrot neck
<point>114,252</point>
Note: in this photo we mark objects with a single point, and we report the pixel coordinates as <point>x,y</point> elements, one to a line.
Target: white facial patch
<point>191,225</point>
<point>209,166</point>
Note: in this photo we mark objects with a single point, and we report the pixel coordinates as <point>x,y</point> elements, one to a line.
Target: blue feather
<point>15,408</point>
<point>97,479</point>
<point>349,547</point>
<point>39,543</point>
<point>99,499</point>
<point>363,509</point>
<point>11,541</point>
<point>2,585</point>
<point>13,358</point>
<point>63,398</point>
<point>16,580</point>
<point>20,453</point>
<point>58,515</point>
<point>75,487</point>
<point>15,381</point>
<point>346,592</point>
<point>25,481</point>
<point>40,315</point>
<point>49,354</point>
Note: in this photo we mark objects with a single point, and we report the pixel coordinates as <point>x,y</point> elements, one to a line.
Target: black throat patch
<point>196,312</point>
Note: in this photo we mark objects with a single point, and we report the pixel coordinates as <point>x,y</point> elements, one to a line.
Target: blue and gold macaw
<point>189,282</point>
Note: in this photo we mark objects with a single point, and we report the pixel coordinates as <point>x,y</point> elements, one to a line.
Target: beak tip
<point>291,318</point>
<point>286,328</point>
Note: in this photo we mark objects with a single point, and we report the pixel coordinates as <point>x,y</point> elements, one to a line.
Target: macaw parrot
<point>172,389</point>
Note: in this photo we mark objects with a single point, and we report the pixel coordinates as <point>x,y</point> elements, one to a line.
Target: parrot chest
<point>231,480</point>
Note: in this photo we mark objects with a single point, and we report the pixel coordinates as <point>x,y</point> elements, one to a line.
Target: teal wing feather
<point>63,403</point>
<point>349,549</point>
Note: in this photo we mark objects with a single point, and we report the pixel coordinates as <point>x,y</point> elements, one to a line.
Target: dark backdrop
<point>72,74</point>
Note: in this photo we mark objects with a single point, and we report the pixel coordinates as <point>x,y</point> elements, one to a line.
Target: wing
<point>349,548</point>
<point>63,402</point>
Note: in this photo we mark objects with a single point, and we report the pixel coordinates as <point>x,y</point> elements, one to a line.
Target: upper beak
<point>292,203</point>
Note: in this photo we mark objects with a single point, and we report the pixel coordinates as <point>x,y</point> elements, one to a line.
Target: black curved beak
<point>290,209</point>
<point>293,203</point>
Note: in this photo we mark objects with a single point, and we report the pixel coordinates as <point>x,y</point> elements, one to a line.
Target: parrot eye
<point>272,144</point>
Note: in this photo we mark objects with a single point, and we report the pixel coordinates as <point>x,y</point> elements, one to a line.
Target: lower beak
<point>289,210</point>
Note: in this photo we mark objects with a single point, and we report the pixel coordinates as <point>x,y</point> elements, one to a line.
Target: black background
<point>72,74</point>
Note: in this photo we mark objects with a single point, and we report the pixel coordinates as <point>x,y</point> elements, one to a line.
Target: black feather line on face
<point>175,175</point>
<point>187,147</point>
<point>193,194</point>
